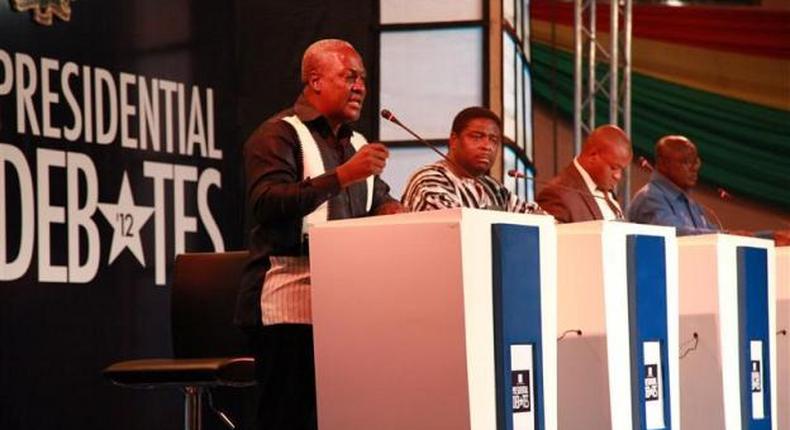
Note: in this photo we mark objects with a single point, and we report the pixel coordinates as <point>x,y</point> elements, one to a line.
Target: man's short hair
<point>465,116</point>
<point>315,55</point>
<point>670,144</point>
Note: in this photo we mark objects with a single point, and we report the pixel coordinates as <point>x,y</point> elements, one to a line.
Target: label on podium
<point>523,387</point>
<point>654,387</point>
<point>758,398</point>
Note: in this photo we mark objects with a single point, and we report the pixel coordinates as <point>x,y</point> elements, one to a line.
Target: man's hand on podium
<point>390,208</point>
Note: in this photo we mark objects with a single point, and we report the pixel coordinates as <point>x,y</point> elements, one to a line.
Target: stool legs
<point>193,405</point>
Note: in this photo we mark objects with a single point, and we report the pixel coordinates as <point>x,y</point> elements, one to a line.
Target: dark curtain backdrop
<point>55,338</point>
<point>270,37</point>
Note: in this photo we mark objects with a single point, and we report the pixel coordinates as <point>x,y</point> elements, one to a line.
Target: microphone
<point>723,194</point>
<point>513,173</point>
<point>644,164</point>
<point>389,116</point>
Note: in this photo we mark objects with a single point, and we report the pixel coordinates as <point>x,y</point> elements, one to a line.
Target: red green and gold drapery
<point>694,75</point>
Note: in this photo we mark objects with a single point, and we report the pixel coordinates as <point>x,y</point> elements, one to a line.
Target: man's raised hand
<point>369,160</point>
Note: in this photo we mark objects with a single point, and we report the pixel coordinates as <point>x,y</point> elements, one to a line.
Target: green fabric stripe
<point>745,147</point>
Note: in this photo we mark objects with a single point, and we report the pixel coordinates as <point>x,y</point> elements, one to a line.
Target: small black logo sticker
<point>757,379</point>
<point>522,398</point>
<point>651,382</point>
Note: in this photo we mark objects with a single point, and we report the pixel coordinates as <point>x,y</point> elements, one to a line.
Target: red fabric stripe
<point>746,30</point>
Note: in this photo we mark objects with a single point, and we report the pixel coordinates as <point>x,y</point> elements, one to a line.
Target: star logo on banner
<point>126,219</point>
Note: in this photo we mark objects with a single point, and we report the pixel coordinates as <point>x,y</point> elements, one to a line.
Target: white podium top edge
<point>599,227</point>
<point>443,216</point>
<point>725,240</point>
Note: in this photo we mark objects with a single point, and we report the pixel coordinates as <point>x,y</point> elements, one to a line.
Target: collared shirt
<point>435,186</point>
<point>278,197</point>
<point>661,202</point>
<point>600,196</point>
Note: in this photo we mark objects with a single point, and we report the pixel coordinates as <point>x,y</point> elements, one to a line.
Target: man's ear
<point>452,144</point>
<point>314,82</point>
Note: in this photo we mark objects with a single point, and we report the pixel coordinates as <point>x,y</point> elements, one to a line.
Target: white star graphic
<point>126,220</point>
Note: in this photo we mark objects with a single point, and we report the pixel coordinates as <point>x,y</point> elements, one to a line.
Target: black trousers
<point>285,370</point>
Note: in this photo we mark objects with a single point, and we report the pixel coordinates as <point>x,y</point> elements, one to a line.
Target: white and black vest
<point>313,166</point>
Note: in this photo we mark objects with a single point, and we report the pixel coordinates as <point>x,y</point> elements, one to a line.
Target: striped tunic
<point>435,186</point>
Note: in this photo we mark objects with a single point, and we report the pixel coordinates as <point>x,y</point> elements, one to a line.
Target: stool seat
<point>158,372</point>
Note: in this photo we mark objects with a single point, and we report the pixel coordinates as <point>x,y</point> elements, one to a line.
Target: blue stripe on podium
<point>753,326</point>
<point>517,314</point>
<point>647,310</point>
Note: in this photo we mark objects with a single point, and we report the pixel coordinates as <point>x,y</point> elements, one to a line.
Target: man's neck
<point>457,169</point>
<point>334,125</point>
<point>589,182</point>
<point>684,190</point>
<point>584,162</point>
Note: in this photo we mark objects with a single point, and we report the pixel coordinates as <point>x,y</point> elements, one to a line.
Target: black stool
<point>209,351</point>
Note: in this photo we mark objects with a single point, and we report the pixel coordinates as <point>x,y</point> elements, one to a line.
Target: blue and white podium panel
<point>435,320</point>
<point>618,326</point>
<point>728,332</point>
<point>783,336</point>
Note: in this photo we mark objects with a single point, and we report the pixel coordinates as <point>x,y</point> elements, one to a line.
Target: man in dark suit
<point>583,191</point>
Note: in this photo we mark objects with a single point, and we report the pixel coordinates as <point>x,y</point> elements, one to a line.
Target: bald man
<point>584,191</point>
<point>304,166</point>
<point>665,199</point>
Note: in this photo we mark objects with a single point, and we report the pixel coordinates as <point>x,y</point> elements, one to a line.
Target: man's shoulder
<point>652,190</point>
<point>648,199</point>
<point>564,184</point>
<point>273,128</point>
<point>434,170</point>
<point>431,178</point>
<point>276,121</point>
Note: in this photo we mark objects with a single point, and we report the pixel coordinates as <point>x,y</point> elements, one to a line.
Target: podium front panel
<point>617,318</point>
<point>754,338</point>
<point>728,372</point>
<point>405,325</point>
<point>517,326</point>
<point>648,323</point>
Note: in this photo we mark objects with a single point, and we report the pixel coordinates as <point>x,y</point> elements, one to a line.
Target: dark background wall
<point>55,337</point>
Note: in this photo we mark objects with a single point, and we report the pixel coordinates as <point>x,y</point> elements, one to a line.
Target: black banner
<point>121,127</point>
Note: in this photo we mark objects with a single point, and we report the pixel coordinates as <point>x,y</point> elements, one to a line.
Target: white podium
<point>617,285</point>
<point>727,296</point>
<point>783,336</point>
<point>435,320</point>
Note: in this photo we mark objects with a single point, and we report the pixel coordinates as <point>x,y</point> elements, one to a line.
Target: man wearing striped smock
<point>461,180</point>
<point>304,166</point>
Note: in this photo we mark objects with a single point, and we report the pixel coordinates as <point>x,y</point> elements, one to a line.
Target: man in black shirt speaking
<point>304,166</point>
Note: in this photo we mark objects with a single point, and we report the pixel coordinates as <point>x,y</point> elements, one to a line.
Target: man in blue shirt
<point>665,199</point>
